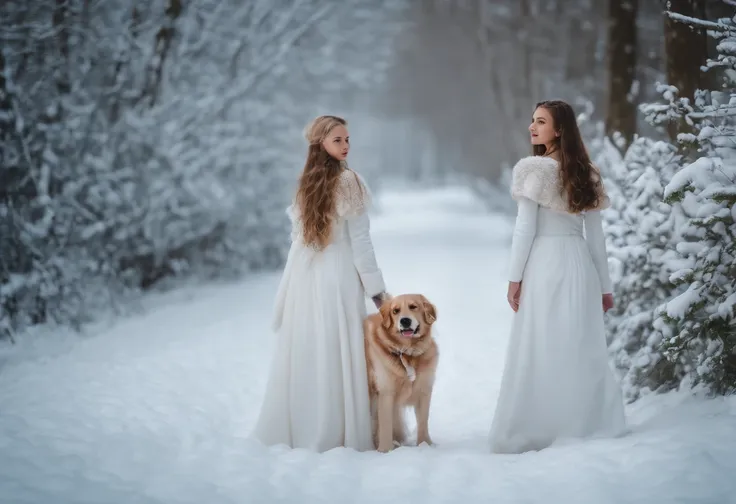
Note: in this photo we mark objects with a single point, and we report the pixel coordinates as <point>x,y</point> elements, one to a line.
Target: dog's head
<point>408,316</point>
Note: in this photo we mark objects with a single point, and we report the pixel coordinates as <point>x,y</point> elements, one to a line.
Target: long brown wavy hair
<point>580,179</point>
<point>315,196</point>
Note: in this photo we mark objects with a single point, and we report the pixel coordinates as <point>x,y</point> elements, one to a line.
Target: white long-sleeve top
<point>364,257</point>
<point>352,203</point>
<point>536,188</point>
<point>525,231</point>
<point>350,233</point>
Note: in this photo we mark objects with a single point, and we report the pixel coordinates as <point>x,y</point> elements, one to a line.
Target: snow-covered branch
<point>711,25</point>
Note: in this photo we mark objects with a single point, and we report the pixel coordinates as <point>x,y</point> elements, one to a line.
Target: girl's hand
<point>607,302</point>
<point>514,295</point>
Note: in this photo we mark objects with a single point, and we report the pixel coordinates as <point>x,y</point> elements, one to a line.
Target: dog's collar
<point>406,351</point>
<point>410,371</point>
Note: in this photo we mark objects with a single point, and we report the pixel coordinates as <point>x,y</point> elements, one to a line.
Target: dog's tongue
<point>408,333</point>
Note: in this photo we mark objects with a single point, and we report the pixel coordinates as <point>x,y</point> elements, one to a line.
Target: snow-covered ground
<point>158,407</point>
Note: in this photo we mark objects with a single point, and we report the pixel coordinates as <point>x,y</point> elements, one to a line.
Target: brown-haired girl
<point>557,382</point>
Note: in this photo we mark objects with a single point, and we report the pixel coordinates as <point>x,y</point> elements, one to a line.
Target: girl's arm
<point>597,245</point>
<point>524,232</point>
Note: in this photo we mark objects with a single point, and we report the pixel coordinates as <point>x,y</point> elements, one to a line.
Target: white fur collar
<point>537,178</point>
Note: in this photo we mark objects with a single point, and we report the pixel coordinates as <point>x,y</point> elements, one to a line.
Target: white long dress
<point>557,382</point>
<point>317,391</point>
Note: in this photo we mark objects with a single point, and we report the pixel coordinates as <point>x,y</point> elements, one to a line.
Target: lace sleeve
<point>296,222</point>
<point>353,195</point>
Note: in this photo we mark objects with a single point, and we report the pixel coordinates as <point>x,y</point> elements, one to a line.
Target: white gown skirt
<point>557,382</point>
<point>317,392</point>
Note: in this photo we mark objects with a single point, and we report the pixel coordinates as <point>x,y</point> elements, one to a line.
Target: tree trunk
<point>164,37</point>
<point>527,23</point>
<point>622,41</point>
<point>7,129</point>
<point>60,20</point>
<point>686,51</point>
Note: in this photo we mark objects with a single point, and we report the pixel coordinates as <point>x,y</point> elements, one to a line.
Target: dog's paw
<point>426,440</point>
<point>384,449</point>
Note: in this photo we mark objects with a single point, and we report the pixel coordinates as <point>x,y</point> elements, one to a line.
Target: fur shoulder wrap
<point>537,178</point>
<point>353,195</point>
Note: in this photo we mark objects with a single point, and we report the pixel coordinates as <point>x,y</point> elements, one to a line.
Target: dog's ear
<point>386,318</point>
<point>430,311</point>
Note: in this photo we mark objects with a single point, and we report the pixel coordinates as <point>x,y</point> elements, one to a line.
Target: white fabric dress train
<point>557,382</point>
<point>317,392</point>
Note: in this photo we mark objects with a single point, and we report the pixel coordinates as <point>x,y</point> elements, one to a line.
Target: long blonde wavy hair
<point>315,196</point>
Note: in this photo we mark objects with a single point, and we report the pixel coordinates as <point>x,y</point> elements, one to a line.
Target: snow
<point>696,173</point>
<point>680,305</point>
<point>727,46</point>
<point>157,408</point>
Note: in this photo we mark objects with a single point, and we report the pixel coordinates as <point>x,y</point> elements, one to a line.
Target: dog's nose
<point>405,322</point>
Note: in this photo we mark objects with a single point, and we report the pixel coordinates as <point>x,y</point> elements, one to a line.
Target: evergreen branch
<point>717,26</point>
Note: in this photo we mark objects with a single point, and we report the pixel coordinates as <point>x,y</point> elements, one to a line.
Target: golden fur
<point>390,359</point>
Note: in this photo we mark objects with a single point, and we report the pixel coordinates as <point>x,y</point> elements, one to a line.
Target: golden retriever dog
<point>401,358</point>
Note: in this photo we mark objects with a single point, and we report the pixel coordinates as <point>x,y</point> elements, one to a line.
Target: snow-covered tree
<point>146,141</point>
<point>699,324</point>
<point>642,233</point>
<point>671,235</point>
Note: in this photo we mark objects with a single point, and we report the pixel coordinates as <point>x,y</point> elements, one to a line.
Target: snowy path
<point>157,409</point>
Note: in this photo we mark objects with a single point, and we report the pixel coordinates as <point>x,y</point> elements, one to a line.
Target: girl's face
<point>542,128</point>
<point>337,143</point>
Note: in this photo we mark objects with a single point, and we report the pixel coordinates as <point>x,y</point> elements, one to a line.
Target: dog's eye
<point>395,311</point>
<point>412,307</point>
